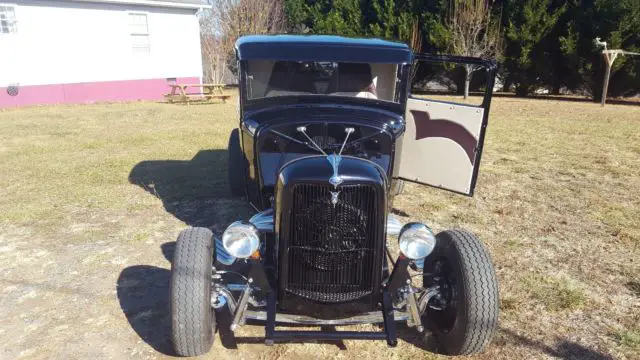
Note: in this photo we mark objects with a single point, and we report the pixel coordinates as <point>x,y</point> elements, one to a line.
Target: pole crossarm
<point>620,51</point>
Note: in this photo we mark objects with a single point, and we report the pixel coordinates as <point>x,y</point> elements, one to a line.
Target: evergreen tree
<point>548,43</point>
<point>557,71</point>
<point>337,17</point>
<point>388,19</point>
<point>527,24</point>
<point>618,23</point>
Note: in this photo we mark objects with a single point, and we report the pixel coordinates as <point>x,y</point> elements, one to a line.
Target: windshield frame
<point>397,105</point>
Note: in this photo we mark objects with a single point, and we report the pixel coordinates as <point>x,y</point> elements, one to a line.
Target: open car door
<point>442,143</point>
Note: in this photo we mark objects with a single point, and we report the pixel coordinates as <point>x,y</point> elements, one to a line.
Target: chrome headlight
<point>241,239</point>
<point>416,241</point>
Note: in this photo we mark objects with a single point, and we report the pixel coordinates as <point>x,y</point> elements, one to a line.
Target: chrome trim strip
<point>222,255</point>
<point>238,316</point>
<point>223,293</point>
<point>335,179</point>
<point>263,221</point>
<point>226,290</point>
<point>394,225</point>
<point>425,297</point>
<point>415,319</point>
<point>374,317</point>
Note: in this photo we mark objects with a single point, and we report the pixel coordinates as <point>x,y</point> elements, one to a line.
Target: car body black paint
<point>270,176</point>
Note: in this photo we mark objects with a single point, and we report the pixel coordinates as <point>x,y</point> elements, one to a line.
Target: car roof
<point>321,48</point>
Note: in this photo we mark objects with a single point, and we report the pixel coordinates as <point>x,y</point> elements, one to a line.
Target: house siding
<point>65,51</point>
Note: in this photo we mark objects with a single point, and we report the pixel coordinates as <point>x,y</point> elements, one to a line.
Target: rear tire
<point>468,316</point>
<point>236,165</point>
<point>193,320</point>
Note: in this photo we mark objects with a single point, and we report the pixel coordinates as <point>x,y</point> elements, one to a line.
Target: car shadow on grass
<point>195,191</point>
<point>564,349</point>
<point>425,341</point>
<point>143,292</point>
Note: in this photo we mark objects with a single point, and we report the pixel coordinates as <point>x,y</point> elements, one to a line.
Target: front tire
<point>464,316</point>
<point>192,318</point>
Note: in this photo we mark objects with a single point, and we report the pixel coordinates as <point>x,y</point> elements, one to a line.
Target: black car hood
<point>274,111</point>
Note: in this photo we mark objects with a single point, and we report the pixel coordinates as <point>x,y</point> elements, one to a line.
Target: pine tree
<point>336,17</point>
<point>618,23</point>
<point>527,25</point>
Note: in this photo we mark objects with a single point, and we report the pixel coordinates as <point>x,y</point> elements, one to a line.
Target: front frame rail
<point>387,315</point>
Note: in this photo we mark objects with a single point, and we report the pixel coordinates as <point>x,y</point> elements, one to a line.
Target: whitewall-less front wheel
<point>464,314</point>
<point>193,320</point>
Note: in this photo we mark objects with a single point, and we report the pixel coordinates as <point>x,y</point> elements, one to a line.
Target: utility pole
<point>609,57</point>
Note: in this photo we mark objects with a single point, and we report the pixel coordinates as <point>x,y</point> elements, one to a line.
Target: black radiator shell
<point>314,172</point>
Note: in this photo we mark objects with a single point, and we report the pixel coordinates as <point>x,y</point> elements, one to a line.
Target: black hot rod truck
<point>328,132</point>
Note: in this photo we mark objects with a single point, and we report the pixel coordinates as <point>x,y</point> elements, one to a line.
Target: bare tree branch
<point>226,21</point>
<point>473,33</point>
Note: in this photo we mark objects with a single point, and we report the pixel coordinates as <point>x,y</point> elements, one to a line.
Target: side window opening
<point>446,82</point>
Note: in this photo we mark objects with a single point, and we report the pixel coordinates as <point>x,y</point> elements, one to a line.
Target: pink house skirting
<point>82,93</point>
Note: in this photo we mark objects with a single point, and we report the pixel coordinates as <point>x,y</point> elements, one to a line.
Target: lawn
<point>93,196</point>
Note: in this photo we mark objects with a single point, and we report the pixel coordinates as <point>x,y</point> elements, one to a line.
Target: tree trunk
<point>522,90</point>
<point>212,72</point>
<point>467,80</point>
<point>506,86</point>
<point>466,87</point>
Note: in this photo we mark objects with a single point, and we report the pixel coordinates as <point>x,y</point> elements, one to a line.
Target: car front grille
<point>332,247</point>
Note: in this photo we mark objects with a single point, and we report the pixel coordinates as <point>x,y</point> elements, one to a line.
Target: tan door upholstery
<point>440,144</point>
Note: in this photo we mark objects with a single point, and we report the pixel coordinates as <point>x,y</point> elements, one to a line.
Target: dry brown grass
<point>557,203</point>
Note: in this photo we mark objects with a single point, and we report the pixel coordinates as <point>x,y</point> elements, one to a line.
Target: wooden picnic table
<point>180,92</point>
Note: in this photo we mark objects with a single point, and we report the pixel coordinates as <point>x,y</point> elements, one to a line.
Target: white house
<point>79,51</point>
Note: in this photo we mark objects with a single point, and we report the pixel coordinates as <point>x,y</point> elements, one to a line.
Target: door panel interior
<point>440,144</point>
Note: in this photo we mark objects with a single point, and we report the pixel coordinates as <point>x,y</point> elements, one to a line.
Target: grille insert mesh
<point>331,247</point>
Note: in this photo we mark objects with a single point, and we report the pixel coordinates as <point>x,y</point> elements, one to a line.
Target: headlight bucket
<point>241,239</point>
<point>416,241</point>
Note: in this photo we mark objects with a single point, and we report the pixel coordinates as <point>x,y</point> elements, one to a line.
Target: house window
<point>139,30</point>
<point>8,22</point>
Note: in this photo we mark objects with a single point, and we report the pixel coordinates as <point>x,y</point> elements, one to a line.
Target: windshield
<point>269,78</point>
